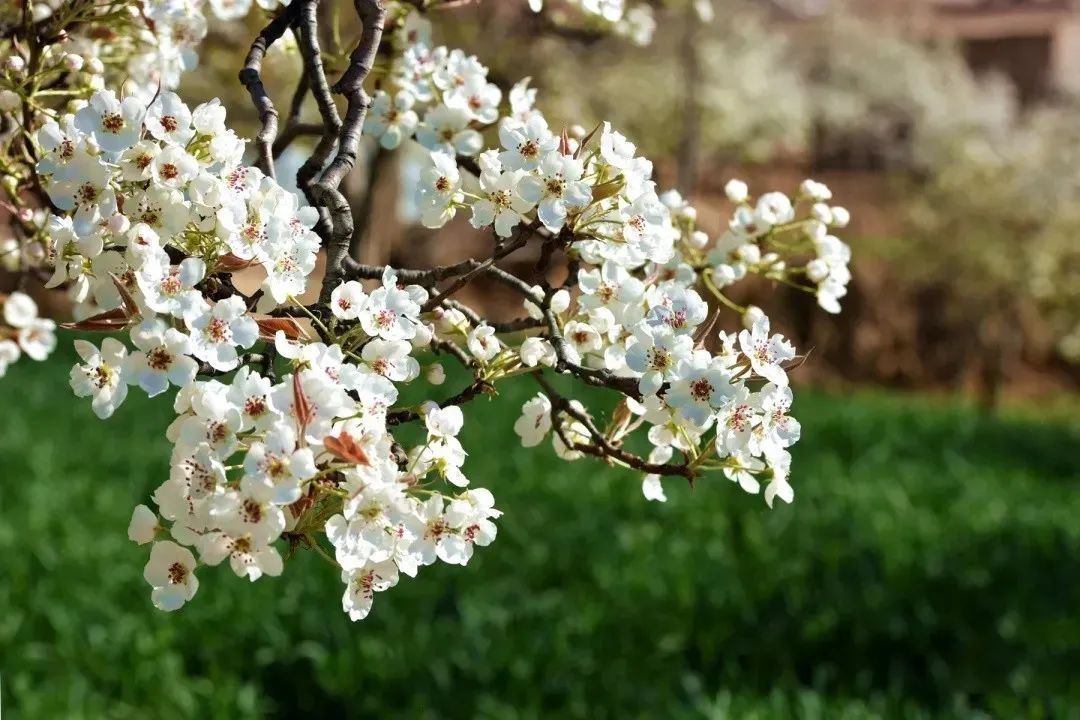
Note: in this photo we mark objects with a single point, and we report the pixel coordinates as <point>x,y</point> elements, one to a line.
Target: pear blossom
<point>217,330</point>
<point>19,310</point>
<point>391,118</point>
<point>446,129</point>
<point>766,353</point>
<point>144,526</point>
<point>483,344</point>
<point>279,464</point>
<point>557,189</point>
<point>503,202</point>
<point>347,300</point>
<point>440,189</point>
<point>113,123</point>
<point>526,143</point>
<point>247,557</point>
<point>535,421</point>
<point>101,375</point>
<point>163,359</point>
<point>171,572</point>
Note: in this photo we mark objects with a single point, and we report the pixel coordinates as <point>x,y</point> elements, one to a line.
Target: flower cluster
<point>144,186</point>
<point>22,332</point>
<point>635,22</point>
<point>288,415</point>
<point>255,461</point>
<point>59,54</point>
<point>638,314</point>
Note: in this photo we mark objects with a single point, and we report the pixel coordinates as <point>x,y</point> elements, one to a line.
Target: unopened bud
<point>698,240</point>
<point>35,253</point>
<point>751,315</point>
<point>15,63</point>
<point>73,62</point>
<point>736,191</point>
<point>25,214</point>
<point>94,66</point>
<point>119,223</point>
<point>435,374</point>
<point>840,217</point>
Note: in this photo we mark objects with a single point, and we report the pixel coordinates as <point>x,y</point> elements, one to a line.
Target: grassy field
<point>930,567</point>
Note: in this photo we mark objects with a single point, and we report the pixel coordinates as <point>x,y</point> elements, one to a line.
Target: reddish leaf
<point>129,302</point>
<point>346,448</point>
<point>564,143</point>
<point>797,361</point>
<point>299,507</point>
<point>108,321</point>
<point>232,263</point>
<point>585,140</point>
<point>269,326</point>
<point>704,331</point>
<point>301,405</point>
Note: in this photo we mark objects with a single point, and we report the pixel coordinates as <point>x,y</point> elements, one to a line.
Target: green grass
<point>928,568</point>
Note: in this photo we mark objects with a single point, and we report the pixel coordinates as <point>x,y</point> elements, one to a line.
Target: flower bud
<point>817,270</point>
<point>560,302</point>
<point>9,100</point>
<point>814,190</point>
<point>73,62</point>
<point>698,240</point>
<point>143,526</point>
<point>821,212</point>
<point>749,253</point>
<point>94,66</point>
<point>751,315</point>
<point>25,214</point>
<point>15,63</point>
<point>435,374</point>
<point>119,223</point>
<point>424,334</point>
<point>736,191</point>
<point>840,217</point>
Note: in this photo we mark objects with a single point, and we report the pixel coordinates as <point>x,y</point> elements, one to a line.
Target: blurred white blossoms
<point>22,332</point>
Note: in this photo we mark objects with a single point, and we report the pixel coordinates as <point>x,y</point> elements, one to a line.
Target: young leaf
<point>345,447</point>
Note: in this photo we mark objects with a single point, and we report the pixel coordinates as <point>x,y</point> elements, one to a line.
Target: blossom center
<point>659,358</point>
<point>251,511</point>
<point>255,406</point>
<point>159,358</point>
<point>113,123</point>
<point>217,330</point>
<point>529,149</point>
<point>701,389</point>
<point>177,573</point>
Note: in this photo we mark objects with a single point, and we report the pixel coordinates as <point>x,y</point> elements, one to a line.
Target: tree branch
<point>602,447</point>
<point>251,79</point>
<point>372,14</point>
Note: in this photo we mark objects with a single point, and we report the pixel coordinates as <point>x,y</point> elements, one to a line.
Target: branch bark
<point>251,78</point>
<point>372,14</point>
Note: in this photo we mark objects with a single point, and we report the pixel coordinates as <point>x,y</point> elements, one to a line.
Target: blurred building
<point>1035,43</point>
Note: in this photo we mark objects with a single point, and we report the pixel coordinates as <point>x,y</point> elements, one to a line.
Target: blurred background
<point>930,565</point>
